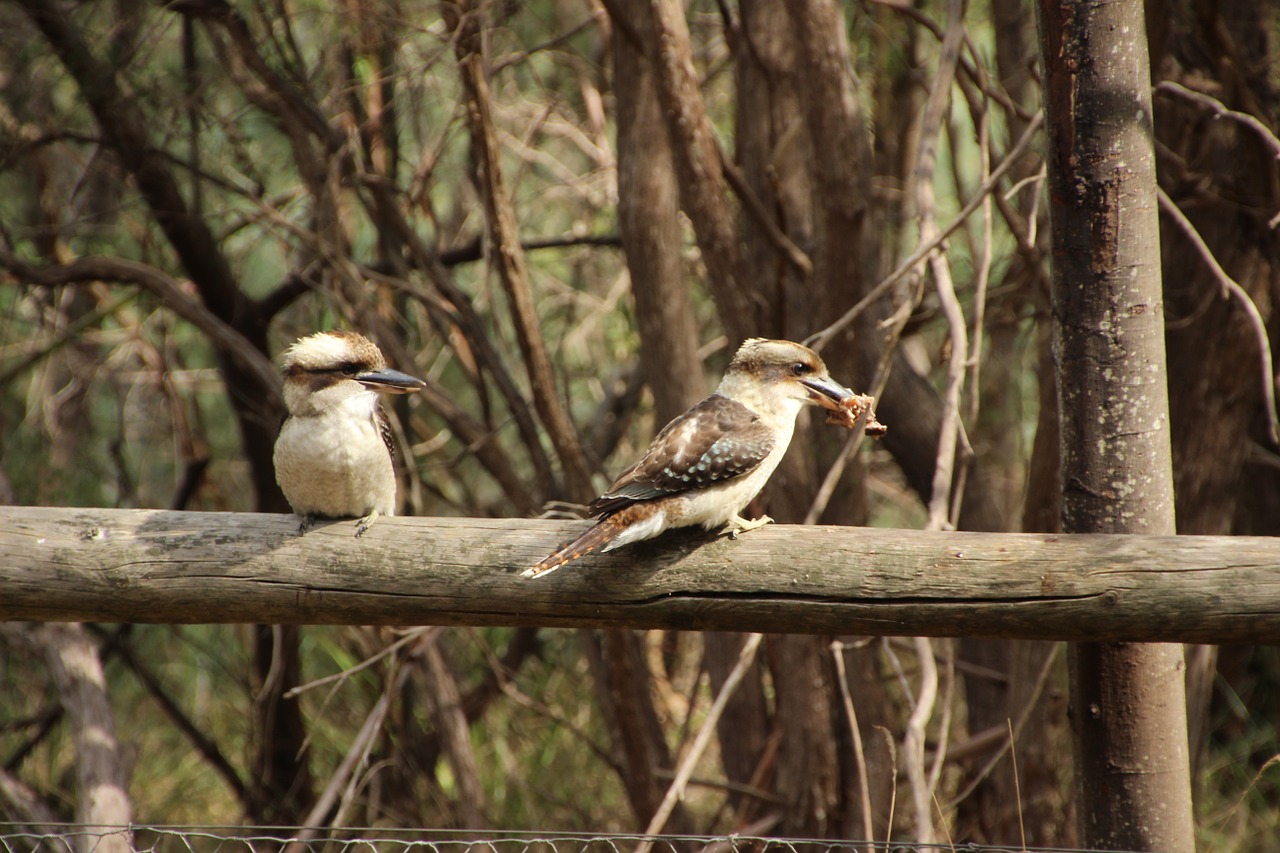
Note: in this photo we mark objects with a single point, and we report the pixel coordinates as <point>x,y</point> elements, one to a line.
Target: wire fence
<point>77,838</point>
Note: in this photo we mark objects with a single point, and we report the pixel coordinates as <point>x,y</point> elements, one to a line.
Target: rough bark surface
<point>158,566</point>
<point>649,219</point>
<point>1225,178</point>
<point>703,190</point>
<point>1128,701</point>
<point>103,802</point>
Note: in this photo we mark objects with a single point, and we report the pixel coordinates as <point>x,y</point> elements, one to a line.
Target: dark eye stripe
<point>350,368</point>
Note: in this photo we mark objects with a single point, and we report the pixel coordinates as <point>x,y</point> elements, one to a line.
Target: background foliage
<point>187,187</point>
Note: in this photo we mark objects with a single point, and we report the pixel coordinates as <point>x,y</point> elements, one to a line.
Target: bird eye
<point>800,369</point>
<point>349,368</point>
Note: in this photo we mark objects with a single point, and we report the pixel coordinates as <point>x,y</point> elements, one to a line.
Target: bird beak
<point>390,382</point>
<point>826,392</point>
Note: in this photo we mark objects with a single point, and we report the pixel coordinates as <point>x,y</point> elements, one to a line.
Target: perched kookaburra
<point>706,465</point>
<point>333,457</point>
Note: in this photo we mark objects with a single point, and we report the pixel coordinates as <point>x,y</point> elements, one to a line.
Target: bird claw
<point>363,525</point>
<point>738,525</point>
<point>308,522</point>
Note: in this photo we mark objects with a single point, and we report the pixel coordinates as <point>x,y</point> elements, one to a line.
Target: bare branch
<point>676,792</point>
<point>162,566</point>
<point>1251,313</point>
<point>168,290</point>
<point>785,246</point>
<point>984,271</point>
<point>507,256</point>
<point>914,738</point>
<point>926,210</point>
<point>1220,110</point>
<point>855,733</point>
<point>820,338</point>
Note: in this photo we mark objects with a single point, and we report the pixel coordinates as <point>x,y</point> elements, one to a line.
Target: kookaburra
<point>706,465</point>
<point>333,458</point>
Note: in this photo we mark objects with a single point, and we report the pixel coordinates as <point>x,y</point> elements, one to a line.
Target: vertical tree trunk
<point>1128,705</point>
<point>281,788</point>
<point>1224,178</point>
<point>102,803</point>
<point>704,195</point>
<point>649,219</point>
<point>623,688</point>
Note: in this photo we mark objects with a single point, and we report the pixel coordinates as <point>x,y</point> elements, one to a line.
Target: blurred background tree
<point>565,216</point>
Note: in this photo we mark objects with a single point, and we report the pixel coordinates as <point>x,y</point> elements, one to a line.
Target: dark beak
<point>826,392</point>
<point>390,382</point>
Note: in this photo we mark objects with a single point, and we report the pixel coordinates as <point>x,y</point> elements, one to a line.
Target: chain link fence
<point>75,838</point>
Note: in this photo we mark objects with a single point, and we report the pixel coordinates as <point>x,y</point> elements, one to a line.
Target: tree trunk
<point>704,195</point>
<point>623,688</point>
<point>281,788</point>
<point>649,219</point>
<point>102,804</point>
<point>808,778</point>
<point>1128,701</point>
<point>1223,176</point>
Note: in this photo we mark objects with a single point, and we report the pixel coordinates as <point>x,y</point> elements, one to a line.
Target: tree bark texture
<point>1224,177</point>
<point>649,219</point>
<point>704,195</point>
<point>1128,701</point>
<point>102,803</point>
<point>281,785</point>
<point>513,272</point>
<point>156,566</point>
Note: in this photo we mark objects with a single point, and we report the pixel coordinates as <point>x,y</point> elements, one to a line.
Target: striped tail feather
<point>600,534</point>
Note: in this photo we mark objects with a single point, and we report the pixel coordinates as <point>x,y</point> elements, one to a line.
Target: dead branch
<point>820,338</point>
<point>859,755</point>
<point>926,211</point>
<point>1251,313</point>
<point>508,257</point>
<point>158,566</point>
<point>168,290</point>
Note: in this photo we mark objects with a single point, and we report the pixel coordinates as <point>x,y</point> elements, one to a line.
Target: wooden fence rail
<point>70,564</point>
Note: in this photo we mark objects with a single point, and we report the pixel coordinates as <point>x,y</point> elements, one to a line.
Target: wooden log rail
<point>71,564</point>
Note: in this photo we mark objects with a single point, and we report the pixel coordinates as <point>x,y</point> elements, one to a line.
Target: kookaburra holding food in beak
<point>333,458</point>
<point>705,466</point>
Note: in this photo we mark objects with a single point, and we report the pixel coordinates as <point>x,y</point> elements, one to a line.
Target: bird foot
<point>308,522</point>
<point>738,525</point>
<point>365,523</point>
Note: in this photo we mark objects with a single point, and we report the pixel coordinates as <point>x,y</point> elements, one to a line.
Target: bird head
<point>338,365</point>
<point>780,377</point>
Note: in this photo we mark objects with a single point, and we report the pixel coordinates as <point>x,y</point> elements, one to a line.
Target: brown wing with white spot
<point>715,441</point>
